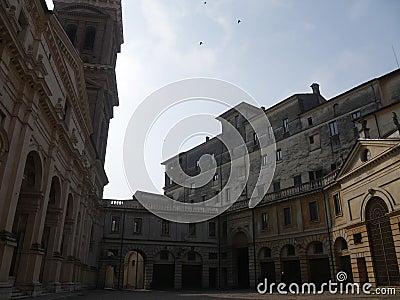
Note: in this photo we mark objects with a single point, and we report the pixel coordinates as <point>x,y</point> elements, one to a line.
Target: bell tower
<point>94,27</point>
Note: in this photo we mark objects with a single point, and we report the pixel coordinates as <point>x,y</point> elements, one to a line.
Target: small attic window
<point>365,155</point>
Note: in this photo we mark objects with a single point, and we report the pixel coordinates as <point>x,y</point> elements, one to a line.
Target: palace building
<point>333,204</point>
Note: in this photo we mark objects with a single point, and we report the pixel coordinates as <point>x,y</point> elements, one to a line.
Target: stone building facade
<point>54,113</point>
<point>295,233</point>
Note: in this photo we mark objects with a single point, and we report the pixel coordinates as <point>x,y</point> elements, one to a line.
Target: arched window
<point>71,32</point>
<point>90,36</point>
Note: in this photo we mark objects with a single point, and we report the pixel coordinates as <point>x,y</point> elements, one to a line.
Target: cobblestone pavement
<point>203,295</point>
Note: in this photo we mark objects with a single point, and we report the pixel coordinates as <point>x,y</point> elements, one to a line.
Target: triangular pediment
<point>366,151</point>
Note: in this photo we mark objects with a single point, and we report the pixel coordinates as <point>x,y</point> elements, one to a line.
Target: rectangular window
<point>211,229</point>
<point>270,132</point>
<point>319,174</point>
<point>279,155</point>
<point>192,229</point>
<point>311,175</point>
<point>215,178</point>
<point>264,221</point>
<point>225,229</point>
<point>164,227</point>
<point>311,139</point>
<point>357,238</point>
<point>115,224</point>
<point>255,138</point>
<point>338,205</point>
<point>237,121</point>
<point>137,225</point>
<point>309,121</point>
<point>287,216</point>
<point>333,128</point>
<point>313,208</point>
<point>297,180</point>
<point>228,194</point>
<point>264,160</point>
<point>285,125</point>
<point>192,188</point>
<point>212,255</point>
<point>355,115</point>
<point>276,186</point>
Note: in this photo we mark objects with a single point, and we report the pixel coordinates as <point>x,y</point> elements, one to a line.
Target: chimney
<point>315,88</point>
<point>207,138</point>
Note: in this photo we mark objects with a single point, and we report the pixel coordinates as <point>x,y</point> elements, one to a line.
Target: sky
<point>279,48</point>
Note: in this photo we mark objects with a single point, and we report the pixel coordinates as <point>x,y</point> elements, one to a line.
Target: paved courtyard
<point>204,295</point>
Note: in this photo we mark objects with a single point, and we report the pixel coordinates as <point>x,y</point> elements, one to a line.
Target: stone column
<point>178,274</point>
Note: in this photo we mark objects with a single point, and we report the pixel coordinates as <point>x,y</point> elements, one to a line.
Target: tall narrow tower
<point>95,29</point>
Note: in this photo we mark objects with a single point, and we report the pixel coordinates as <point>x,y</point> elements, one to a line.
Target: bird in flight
<point>205,2</point>
<point>238,21</point>
<point>201,43</point>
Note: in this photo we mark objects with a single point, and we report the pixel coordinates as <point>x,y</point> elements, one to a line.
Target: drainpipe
<point>328,228</point>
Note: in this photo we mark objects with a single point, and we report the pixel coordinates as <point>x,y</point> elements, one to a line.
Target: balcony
<point>290,192</point>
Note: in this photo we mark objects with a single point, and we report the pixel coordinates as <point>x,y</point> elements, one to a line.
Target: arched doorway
<point>241,257</point>
<point>380,238</point>
<point>163,270</point>
<point>28,200</point>
<point>134,271</point>
<point>342,255</point>
<point>192,270</point>
<point>290,265</point>
<point>267,265</point>
<point>318,263</point>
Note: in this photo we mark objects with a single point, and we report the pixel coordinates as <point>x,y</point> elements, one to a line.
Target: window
<point>264,160</point>
<point>338,205</point>
<point>255,139</point>
<point>164,255</point>
<point>267,253</point>
<point>287,216</point>
<point>264,221</point>
<point>313,208</point>
<point>164,227</point>
<point>335,109</point>
<point>137,225</point>
<point>71,32</point>
<point>355,115</point>
<point>319,174</point>
<point>311,139</point>
<point>291,251</point>
<point>333,128</point>
<point>365,155</point>
<point>228,194</point>
<point>224,229</point>
<point>297,180</point>
<point>215,178</point>
<point>285,125</point>
<point>237,121</point>
<point>277,186</point>
<point>192,188</point>
<point>90,35</point>
<point>204,198</point>
<point>311,175</point>
<point>333,167</point>
<point>212,255</point>
<point>318,248</point>
<point>211,229</point>
<point>310,123</point>
<point>192,229</point>
<point>192,255</point>
<point>115,224</point>
<point>278,154</point>
<point>357,238</point>
<point>270,132</point>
